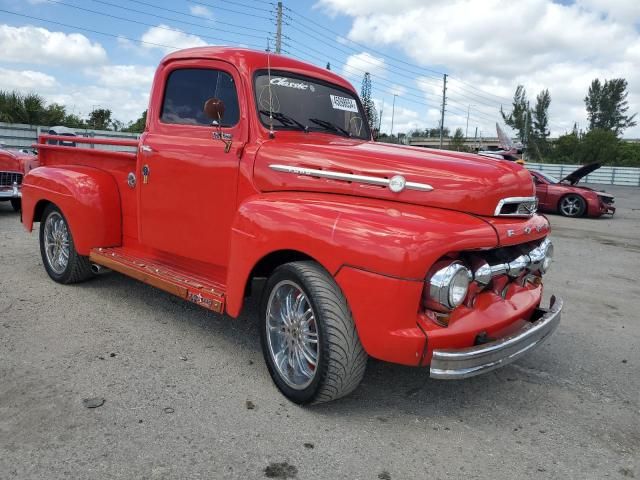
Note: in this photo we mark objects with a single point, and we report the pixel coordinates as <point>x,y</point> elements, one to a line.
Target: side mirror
<point>214,109</point>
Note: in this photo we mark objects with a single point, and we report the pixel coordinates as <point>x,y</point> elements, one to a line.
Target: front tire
<point>572,205</point>
<point>59,256</point>
<point>309,338</point>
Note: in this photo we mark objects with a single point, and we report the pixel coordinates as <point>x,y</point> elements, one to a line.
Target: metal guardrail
<point>624,176</point>
<point>18,135</point>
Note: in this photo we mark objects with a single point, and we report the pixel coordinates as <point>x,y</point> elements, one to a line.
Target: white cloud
<point>126,104</point>
<point>356,65</point>
<point>40,46</point>
<point>497,44</point>
<point>169,39</point>
<point>26,80</point>
<point>123,76</point>
<point>201,11</point>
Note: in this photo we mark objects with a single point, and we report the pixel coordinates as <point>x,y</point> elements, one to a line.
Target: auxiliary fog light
<point>448,286</point>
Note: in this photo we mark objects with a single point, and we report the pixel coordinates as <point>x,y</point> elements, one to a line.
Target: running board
<point>209,295</point>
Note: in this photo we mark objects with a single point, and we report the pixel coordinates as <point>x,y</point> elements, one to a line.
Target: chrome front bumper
<point>468,362</point>
<point>10,192</point>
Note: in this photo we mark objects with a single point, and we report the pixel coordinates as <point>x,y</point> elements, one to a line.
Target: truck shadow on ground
<point>386,390</point>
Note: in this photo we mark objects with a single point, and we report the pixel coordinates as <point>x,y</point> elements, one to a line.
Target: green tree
<point>520,117</point>
<point>598,145</point>
<point>54,114</point>
<point>100,119</point>
<point>607,106</point>
<point>367,102</point>
<point>540,129</point>
<point>73,121</point>
<point>457,142</point>
<point>138,125</point>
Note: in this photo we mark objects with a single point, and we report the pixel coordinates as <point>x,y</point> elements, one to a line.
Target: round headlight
<point>547,247</point>
<point>459,287</point>
<point>448,286</point>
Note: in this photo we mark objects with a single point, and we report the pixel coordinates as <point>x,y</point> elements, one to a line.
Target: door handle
<point>146,149</point>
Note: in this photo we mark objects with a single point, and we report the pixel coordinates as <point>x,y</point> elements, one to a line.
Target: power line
<point>113,35</point>
<point>230,10</point>
<point>149,24</point>
<point>235,25</point>
<point>438,73</point>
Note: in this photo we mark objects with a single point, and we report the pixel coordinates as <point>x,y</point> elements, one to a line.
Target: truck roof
<point>248,61</point>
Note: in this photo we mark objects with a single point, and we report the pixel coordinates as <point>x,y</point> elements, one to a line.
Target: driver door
<point>188,175</point>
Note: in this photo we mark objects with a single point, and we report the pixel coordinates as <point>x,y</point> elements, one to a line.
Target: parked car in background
<point>568,198</point>
<point>13,166</point>
<point>61,132</point>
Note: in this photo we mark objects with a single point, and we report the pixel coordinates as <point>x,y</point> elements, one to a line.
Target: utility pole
<point>279,29</point>
<point>444,102</point>
<point>393,112</point>
<point>475,138</point>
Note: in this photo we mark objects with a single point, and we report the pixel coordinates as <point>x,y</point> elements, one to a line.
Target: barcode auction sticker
<point>343,103</point>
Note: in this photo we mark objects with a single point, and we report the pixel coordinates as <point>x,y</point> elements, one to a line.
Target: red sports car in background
<point>13,166</point>
<point>567,198</point>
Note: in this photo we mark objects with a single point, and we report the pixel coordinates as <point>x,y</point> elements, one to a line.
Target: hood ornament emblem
<point>397,183</point>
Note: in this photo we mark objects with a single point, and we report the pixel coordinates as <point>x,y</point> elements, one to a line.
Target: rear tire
<point>309,338</point>
<point>59,256</point>
<point>572,205</point>
<point>16,203</point>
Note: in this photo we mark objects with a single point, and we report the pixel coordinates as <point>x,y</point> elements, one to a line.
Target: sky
<point>90,54</point>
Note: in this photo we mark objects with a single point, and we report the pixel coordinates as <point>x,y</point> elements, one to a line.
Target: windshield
<point>302,103</point>
<point>549,178</point>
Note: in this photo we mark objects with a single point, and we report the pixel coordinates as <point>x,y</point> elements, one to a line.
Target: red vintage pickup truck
<point>257,166</point>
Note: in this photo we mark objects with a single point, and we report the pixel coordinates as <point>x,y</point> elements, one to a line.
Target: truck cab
<point>254,165</point>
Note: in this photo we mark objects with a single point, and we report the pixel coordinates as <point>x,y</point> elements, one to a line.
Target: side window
<point>188,89</point>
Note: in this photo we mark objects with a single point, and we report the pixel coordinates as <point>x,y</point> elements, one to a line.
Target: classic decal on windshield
<point>285,82</point>
<point>343,103</point>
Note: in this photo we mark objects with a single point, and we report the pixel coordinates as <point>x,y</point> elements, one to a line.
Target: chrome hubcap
<point>292,334</point>
<point>56,242</point>
<point>570,206</point>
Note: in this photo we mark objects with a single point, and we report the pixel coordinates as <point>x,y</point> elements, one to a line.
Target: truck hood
<point>463,182</point>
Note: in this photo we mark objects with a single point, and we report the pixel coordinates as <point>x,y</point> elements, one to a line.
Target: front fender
<point>88,197</point>
<point>393,239</point>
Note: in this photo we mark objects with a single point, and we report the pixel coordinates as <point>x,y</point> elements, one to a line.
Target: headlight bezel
<point>441,284</point>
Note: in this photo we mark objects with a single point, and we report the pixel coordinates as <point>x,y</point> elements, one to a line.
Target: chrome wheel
<point>571,206</point>
<point>56,242</point>
<point>292,334</point>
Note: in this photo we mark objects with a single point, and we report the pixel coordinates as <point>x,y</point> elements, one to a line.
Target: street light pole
<point>393,112</point>
<point>466,132</point>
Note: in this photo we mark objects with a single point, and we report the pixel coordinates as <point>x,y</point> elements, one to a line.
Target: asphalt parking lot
<point>187,395</point>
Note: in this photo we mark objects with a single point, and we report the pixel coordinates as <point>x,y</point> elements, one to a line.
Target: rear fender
<point>88,197</point>
<point>393,239</point>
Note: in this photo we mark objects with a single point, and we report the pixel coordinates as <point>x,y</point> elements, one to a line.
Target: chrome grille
<point>7,179</point>
<point>517,207</point>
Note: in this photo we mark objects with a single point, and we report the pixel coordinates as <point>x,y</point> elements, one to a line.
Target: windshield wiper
<point>285,120</point>
<point>330,126</point>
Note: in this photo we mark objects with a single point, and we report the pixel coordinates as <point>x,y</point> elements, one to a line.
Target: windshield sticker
<point>285,82</point>
<point>343,103</point>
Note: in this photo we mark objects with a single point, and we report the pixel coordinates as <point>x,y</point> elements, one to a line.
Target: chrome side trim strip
<point>511,200</point>
<point>349,177</point>
<point>472,361</point>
